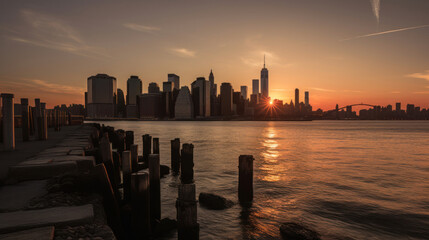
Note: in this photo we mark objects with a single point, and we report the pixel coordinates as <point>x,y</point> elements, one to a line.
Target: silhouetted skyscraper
<point>255,86</point>
<point>167,86</point>
<point>264,81</point>
<point>175,80</point>
<point>212,84</point>
<point>398,107</point>
<point>201,96</point>
<point>134,89</point>
<point>102,96</point>
<point>121,103</point>
<point>184,108</point>
<point>226,99</point>
<point>307,99</point>
<point>297,99</point>
<point>244,92</point>
<point>153,88</point>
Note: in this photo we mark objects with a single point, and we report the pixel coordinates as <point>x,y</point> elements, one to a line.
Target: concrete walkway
<point>25,150</point>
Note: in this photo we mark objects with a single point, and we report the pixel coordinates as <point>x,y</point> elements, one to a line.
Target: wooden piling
<point>155,187</point>
<point>140,199</point>
<point>175,155</point>
<point>117,168</point>
<point>147,142</point>
<point>8,121</point>
<point>107,157</point>
<point>186,204</point>
<point>37,118</point>
<point>43,124</point>
<point>187,163</point>
<point>155,145</point>
<point>31,120</point>
<point>25,120</point>
<point>126,174</point>
<point>134,157</point>
<point>110,202</point>
<point>245,178</point>
<point>129,139</point>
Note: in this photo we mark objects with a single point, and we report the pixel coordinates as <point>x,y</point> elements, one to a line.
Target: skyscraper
<point>102,96</point>
<point>244,92</point>
<point>226,99</point>
<point>153,88</point>
<point>167,86</point>
<point>296,99</point>
<point>201,96</point>
<point>212,84</point>
<point>255,86</point>
<point>175,80</point>
<point>184,108</point>
<point>264,81</point>
<point>307,99</point>
<point>398,107</point>
<point>134,89</point>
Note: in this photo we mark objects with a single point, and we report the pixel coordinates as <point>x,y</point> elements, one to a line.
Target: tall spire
<point>264,60</point>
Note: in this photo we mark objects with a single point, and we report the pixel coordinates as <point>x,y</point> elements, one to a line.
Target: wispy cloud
<point>423,75</point>
<point>141,28</point>
<point>256,58</point>
<point>39,86</point>
<point>332,90</point>
<point>395,92</point>
<point>323,90</point>
<point>49,32</point>
<point>182,52</point>
<point>376,9</point>
<point>385,32</point>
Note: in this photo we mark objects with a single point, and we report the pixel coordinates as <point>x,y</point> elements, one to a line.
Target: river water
<point>344,179</point>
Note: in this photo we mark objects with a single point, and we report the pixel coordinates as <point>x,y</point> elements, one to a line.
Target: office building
<point>153,88</point>
<point>173,78</point>
<point>134,89</point>
<point>102,96</point>
<point>307,99</point>
<point>150,106</point>
<point>226,107</point>
<point>184,108</point>
<point>201,97</point>
<point>264,81</point>
<point>297,99</point>
<point>167,87</point>
<point>121,103</point>
<point>244,92</point>
<point>398,107</point>
<point>255,86</point>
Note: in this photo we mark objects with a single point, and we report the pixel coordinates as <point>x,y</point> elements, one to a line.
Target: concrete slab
<point>58,216</point>
<point>41,171</point>
<point>17,196</point>
<point>77,152</point>
<point>43,233</point>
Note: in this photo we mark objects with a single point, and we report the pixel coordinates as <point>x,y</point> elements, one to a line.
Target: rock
<point>165,225</point>
<point>294,231</point>
<point>214,202</point>
<point>164,170</point>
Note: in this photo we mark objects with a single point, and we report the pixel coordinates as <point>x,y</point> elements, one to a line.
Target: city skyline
<point>362,51</point>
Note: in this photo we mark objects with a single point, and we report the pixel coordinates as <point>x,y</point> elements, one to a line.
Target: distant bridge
<point>352,105</point>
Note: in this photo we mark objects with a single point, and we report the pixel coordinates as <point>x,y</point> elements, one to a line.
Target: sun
<point>271,102</point>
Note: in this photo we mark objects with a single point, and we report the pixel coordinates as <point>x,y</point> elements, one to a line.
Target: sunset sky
<point>342,51</point>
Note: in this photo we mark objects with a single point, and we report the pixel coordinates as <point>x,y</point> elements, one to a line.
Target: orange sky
<point>342,51</point>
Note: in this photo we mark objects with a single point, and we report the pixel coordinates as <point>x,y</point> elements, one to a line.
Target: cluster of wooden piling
<point>35,121</point>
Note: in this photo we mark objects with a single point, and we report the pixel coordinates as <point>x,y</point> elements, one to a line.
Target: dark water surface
<point>345,179</point>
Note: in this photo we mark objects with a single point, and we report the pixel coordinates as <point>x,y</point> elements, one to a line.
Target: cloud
<point>385,32</point>
<point>49,32</point>
<point>182,52</point>
<point>376,9</point>
<point>396,92</point>
<point>39,86</point>
<point>141,28</point>
<point>256,59</point>
<point>424,75</point>
<point>323,90</point>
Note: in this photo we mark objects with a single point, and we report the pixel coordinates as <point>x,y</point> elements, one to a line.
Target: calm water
<point>345,179</point>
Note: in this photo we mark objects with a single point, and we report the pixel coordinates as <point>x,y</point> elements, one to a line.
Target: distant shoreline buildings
<point>201,101</point>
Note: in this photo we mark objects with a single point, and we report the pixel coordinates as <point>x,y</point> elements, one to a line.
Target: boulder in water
<point>294,231</point>
<point>164,170</point>
<point>214,202</point>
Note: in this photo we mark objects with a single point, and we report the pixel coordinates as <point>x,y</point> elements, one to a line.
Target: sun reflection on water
<point>270,155</point>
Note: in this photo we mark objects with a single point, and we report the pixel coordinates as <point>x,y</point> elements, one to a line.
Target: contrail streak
<point>385,32</point>
<point>376,9</point>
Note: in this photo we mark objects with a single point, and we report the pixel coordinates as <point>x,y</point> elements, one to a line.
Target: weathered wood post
<point>175,155</point>
<point>109,200</point>
<point>126,174</point>
<point>25,123</point>
<point>134,157</point>
<point>245,178</point>
<point>107,157</point>
<point>8,121</point>
<point>155,145</point>
<point>140,199</point>
<point>187,162</point>
<point>37,118</point>
<point>147,142</point>
<point>44,122</point>
<point>117,169</point>
<point>186,204</point>
<point>31,120</point>
<point>155,187</point>
<point>129,139</point>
